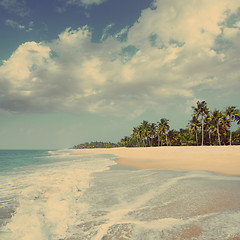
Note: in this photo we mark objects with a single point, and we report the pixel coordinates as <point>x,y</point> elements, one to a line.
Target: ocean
<point>56,195</point>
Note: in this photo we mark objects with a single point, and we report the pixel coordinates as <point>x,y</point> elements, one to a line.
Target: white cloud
<point>122,33</point>
<point>18,67</point>
<point>14,24</point>
<point>106,34</point>
<point>18,84</point>
<point>85,2</point>
<point>91,70</point>
<point>175,52</point>
<point>231,33</point>
<point>16,6</point>
<point>194,23</point>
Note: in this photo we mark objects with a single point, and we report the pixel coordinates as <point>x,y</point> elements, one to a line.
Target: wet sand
<point>198,205</point>
<point>220,159</point>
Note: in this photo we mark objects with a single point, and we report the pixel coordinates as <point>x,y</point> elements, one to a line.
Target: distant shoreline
<point>220,159</point>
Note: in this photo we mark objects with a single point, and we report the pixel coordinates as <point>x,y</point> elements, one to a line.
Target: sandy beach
<point>220,159</point>
<point>85,194</point>
<point>205,204</point>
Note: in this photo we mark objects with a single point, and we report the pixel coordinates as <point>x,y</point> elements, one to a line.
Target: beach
<point>219,159</point>
<point>169,193</point>
<point>186,192</point>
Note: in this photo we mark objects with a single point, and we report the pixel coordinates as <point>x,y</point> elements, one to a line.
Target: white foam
<point>223,225</point>
<point>129,201</point>
<point>120,215</point>
<point>76,198</point>
<point>50,201</point>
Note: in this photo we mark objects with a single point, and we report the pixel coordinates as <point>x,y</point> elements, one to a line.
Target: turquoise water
<point>17,159</point>
<point>56,195</point>
<point>40,192</point>
<point>14,165</point>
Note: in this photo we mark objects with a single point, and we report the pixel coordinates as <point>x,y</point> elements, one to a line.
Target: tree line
<point>205,128</point>
<point>96,145</point>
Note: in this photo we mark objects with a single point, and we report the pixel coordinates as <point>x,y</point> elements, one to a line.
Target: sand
<point>220,159</point>
<point>206,205</point>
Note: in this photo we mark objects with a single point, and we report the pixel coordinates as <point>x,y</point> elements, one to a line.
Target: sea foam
<point>83,197</point>
<point>49,198</point>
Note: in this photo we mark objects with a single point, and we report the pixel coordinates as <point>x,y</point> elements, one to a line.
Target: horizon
<point>80,71</point>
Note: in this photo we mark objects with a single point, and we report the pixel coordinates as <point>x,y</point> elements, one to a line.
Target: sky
<point>73,71</point>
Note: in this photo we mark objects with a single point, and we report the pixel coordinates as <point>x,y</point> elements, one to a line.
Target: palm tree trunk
<point>210,141</point>
<point>202,131</point>
<point>225,138</point>
<point>230,137</point>
<point>166,140</point>
<point>196,137</point>
<point>158,141</point>
<point>219,141</point>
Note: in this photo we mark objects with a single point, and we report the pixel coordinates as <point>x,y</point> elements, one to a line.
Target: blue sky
<point>83,70</point>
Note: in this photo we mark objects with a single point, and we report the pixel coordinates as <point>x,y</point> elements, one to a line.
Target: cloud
<point>16,6</point>
<point>14,24</point>
<point>173,53</point>
<point>85,3</point>
<point>122,34</point>
<point>106,33</point>
<point>61,9</point>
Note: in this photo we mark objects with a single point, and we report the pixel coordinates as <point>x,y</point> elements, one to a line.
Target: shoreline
<point>220,159</point>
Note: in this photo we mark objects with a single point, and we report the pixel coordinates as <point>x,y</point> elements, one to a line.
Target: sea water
<point>56,195</point>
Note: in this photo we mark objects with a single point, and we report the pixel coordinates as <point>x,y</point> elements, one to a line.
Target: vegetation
<point>205,128</point>
<point>96,145</point>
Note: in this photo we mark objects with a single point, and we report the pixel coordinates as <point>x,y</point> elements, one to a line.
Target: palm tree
<point>124,141</point>
<point>201,110</point>
<point>232,113</point>
<point>135,134</point>
<point>159,132</point>
<point>163,128</point>
<point>237,116</point>
<point>140,134</point>
<point>145,131</point>
<point>216,118</point>
<point>152,132</point>
<point>210,128</point>
<point>185,137</point>
<point>225,124</point>
<point>193,127</point>
<point>149,134</point>
<point>173,137</point>
<point>236,136</point>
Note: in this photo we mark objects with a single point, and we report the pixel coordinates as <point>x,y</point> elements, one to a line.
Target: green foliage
<point>96,145</point>
<point>206,127</point>
<point>236,137</point>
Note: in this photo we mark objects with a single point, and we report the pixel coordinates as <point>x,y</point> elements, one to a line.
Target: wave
<point>49,197</point>
<point>83,197</point>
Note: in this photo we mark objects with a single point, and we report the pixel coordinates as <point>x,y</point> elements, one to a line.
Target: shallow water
<point>63,196</point>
